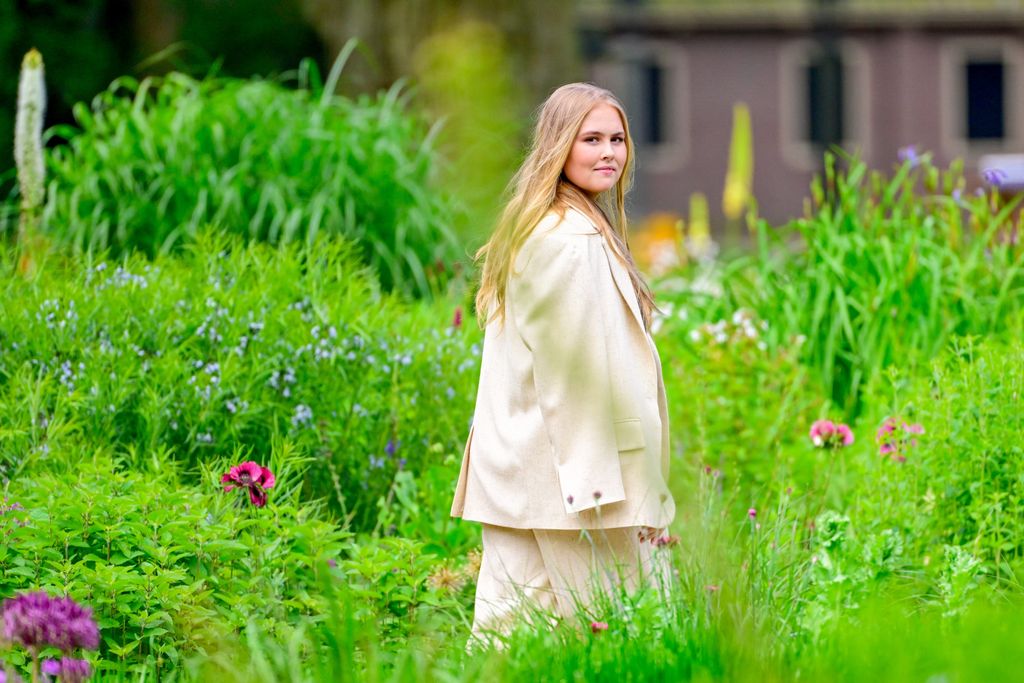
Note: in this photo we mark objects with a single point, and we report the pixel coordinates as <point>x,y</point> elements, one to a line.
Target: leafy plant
<point>888,270</point>
<point>228,346</point>
<point>154,161</point>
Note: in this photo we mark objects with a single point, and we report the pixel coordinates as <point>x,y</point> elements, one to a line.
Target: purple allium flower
<point>391,447</point>
<point>957,194</point>
<point>908,153</point>
<point>252,476</point>
<point>994,176</point>
<point>68,669</point>
<point>35,620</point>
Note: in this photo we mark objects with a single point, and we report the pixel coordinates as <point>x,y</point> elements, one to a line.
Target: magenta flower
<point>252,476</point>
<point>457,318</point>
<point>69,670</point>
<point>598,626</point>
<point>35,620</point>
<point>829,434</point>
<point>752,513</point>
<point>664,541</point>
<point>896,437</point>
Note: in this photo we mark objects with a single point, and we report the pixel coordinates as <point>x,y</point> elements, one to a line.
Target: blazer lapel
<point>623,283</point>
<point>619,274</point>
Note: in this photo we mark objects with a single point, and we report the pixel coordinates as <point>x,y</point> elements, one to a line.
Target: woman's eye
<point>618,139</point>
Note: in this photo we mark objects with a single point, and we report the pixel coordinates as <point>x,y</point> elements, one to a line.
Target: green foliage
<point>169,563</point>
<point>153,162</point>
<point>227,347</point>
<point>889,269</point>
<point>961,484</point>
<point>717,376</point>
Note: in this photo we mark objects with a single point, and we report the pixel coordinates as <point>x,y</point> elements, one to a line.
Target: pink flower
<point>821,431</point>
<point>598,626</point>
<point>845,434</point>
<point>894,438</point>
<point>665,541</point>
<point>252,476</point>
<point>752,513</point>
<point>457,319</point>
<point>829,434</point>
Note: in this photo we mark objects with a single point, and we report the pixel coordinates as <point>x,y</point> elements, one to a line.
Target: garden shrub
<point>959,483</point>
<point>881,270</point>
<point>153,162</point>
<point>168,561</point>
<point>736,405</point>
<point>229,347</point>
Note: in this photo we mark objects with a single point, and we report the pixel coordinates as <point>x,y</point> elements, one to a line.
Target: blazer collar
<point>623,283</point>
<point>619,274</point>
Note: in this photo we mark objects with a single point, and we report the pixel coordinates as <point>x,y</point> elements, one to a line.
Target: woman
<point>567,459</point>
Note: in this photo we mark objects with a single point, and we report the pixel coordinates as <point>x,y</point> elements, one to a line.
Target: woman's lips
<point>607,170</point>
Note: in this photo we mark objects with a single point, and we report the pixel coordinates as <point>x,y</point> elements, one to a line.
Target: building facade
<point>946,77</point>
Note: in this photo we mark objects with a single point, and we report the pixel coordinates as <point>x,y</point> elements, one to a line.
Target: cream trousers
<point>554,570</point>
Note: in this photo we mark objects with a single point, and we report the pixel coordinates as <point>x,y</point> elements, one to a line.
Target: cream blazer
<point>570,429</point>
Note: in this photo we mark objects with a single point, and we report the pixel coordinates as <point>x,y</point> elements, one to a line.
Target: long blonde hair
<point>540,186</point>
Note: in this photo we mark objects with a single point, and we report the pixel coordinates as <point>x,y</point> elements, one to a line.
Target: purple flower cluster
<point>36,620</point>
<point>910,154</point>
<point>994,176</point>
<point>68,669</point>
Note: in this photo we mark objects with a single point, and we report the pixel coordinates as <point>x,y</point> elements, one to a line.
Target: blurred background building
<point>870,76</point>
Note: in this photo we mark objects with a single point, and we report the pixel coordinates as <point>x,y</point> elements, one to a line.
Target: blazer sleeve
<point>555,301</point>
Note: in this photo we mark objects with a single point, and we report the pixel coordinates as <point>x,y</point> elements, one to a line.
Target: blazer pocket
<point>629,434</point>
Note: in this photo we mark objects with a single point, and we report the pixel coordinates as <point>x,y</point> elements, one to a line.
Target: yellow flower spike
<point>740,176</point>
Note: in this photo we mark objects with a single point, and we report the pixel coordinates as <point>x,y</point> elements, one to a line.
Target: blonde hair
<point>540,186</point>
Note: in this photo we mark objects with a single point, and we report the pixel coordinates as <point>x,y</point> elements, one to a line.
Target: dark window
<point>825,85</point>
<point>648,119</point>
<point>654,77</point>
<point>986,99</point>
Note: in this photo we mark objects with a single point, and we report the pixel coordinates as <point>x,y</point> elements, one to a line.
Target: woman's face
<point>598,153</point>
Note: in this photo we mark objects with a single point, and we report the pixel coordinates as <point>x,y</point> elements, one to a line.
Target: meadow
<point>237,372</point>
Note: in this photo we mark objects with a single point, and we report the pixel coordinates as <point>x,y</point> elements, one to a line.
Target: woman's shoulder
<point>565,221</point>
<point>561,240</point>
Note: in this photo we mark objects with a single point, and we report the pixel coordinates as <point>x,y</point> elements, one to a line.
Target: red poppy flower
<point>252,476</point>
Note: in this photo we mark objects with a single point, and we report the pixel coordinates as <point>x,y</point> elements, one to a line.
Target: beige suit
<point>570,429</point>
